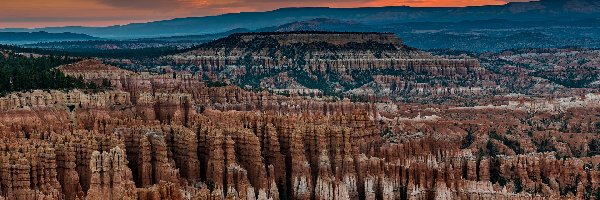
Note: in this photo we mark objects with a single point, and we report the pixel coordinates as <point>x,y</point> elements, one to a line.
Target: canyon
<point>387,122</point>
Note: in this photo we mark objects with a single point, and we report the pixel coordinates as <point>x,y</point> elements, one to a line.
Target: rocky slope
<point>349,64</point>
<point>374,66</point>
<point>173,137</point>
<point>569,67</point>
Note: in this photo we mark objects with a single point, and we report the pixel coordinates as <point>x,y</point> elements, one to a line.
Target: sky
<point>48,13</point>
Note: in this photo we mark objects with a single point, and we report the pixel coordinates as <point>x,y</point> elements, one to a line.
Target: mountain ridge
<point>546,9</point>
<point>42,36</point>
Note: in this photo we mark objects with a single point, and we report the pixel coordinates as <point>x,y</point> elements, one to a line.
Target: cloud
<point>142,4</point>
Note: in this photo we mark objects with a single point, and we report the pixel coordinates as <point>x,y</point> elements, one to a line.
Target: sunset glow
<point>42,13</point>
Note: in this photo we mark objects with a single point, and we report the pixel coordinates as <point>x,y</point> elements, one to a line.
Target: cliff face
<point>333,63</point>
<point>569,67</point>
<point>160,137</point>
<point>93,71</point>
<point>377,66</point>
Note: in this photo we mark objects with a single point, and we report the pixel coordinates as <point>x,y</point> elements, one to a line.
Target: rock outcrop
<point>174,137</point>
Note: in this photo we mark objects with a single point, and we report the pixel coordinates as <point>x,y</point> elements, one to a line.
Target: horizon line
<point>242,12</point>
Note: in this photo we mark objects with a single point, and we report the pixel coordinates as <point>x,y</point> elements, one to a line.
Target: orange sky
<point>44,13</point>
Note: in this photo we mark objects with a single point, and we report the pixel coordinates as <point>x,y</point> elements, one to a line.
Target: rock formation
<point>177,137</point>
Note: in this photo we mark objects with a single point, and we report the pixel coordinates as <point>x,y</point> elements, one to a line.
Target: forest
<point>23,73</point>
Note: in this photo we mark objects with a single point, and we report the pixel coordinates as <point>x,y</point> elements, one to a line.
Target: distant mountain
<point>471,35</point>
<point>320,24</point>
<point>197,38</point>
<point>35,37</point>
<point>521,11</point>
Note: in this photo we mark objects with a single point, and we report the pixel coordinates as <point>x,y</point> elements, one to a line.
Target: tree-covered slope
<point>20,73</point>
